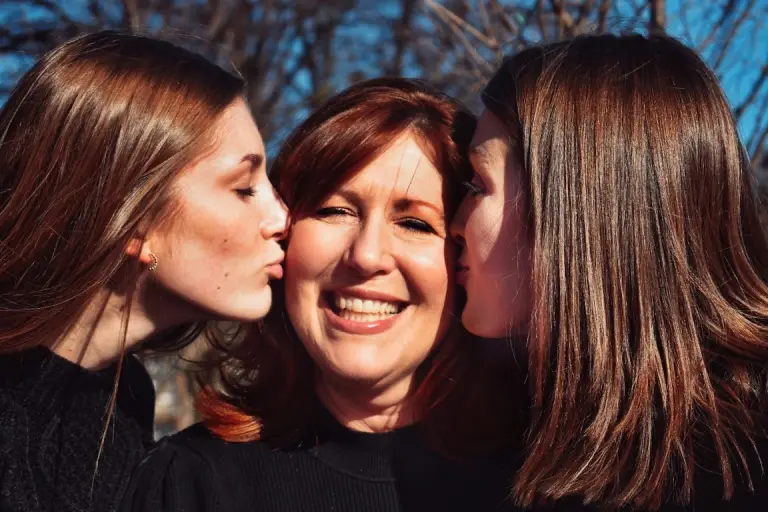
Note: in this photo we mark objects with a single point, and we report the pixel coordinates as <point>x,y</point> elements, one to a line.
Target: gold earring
<point>152,266</point>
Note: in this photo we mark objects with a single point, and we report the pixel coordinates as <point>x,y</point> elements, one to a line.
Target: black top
<point>335,469</point>
<point>52,417</point>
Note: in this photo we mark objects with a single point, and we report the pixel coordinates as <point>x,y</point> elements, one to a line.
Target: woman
<point>354,395</point>
<point>134,206</point>
<point>614,203</point>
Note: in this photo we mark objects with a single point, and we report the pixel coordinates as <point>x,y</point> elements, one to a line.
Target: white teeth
<point>363,317</point>
<point>359,307</point>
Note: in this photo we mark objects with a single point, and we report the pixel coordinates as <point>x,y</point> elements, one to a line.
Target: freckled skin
<point>222,231</point>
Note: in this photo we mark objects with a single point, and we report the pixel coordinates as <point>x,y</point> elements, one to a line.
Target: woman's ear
<point>139,248</point>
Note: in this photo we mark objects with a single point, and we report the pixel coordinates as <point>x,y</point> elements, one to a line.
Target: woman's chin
<point>249,308</point>
<point>482,322</point>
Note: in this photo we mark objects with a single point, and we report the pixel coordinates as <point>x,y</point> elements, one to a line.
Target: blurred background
<point>296,54</point>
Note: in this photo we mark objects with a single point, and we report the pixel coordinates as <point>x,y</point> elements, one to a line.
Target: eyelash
<point>246,192</point>
<point>332,211</point>
<point>416,225</point>
<point>411,224</point>
<point>473,189</point>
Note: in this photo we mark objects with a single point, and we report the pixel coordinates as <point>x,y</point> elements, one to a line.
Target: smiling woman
<point>358,383</point>
<point>369,289</point>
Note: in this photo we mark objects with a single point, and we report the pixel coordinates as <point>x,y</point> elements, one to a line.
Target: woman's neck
<point>358,407</point>
<point>96,339</point>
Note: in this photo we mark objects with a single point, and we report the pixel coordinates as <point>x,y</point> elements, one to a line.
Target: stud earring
<point>152,266</point>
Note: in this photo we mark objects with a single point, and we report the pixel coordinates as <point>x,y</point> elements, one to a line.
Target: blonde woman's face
<point>495,262</point>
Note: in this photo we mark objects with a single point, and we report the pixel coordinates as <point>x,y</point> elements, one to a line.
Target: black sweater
<point>344,471</point>
<point>334,469</point>
<point>52,416</point>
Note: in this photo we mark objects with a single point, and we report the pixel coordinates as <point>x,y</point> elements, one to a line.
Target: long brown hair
<point>91,139</point>
<point>648,347</point>
<point>267,380</point>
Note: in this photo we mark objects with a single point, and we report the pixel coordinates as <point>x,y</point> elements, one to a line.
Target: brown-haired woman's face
<point>495,263</point>
<point>219,251</point>
<point>369,275</point>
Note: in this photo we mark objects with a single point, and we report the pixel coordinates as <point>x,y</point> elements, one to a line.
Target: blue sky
<point>747,54</point>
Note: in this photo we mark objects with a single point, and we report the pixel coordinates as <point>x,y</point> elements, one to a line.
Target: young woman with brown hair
<point>356,393</point>
<point>134,206</point>
<point>613,221</point>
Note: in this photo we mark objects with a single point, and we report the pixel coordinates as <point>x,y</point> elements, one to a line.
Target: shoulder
<point>194,448</point>
<point>175,475</point>
<point>193,471</point>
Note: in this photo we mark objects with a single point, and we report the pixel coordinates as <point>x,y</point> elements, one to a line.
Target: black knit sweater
<point>333,469</point>
<point>52,417</point>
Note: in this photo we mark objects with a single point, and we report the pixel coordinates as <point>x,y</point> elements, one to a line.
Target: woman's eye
<point>416,225</point>
<point>246,192</point>
<point>473,188</point>
<point>332,211</point>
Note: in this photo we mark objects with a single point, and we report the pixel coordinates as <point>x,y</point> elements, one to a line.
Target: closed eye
<point>333,211</point>
<point>416,225</point>
<point>473,188</point>
<point>246,192</point>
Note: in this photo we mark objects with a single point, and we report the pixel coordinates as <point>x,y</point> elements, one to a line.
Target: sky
<point>748,52</point>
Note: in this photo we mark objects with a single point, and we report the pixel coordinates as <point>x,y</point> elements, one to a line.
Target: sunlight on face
<point>222,249</point>
<point>491,225</point>
<point>369,275</point>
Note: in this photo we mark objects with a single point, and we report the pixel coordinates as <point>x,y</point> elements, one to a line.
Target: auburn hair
<point>648,346</point>
<point>266,384</point>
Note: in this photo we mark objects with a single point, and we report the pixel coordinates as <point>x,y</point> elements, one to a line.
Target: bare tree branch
<point>132,15</point>
<point>752,94</point>
<point>756,141</point>
<point>727,11</point>
<point>451,19</point>
<point>728,39</point>
<point>456,24</point>
<point>485,20</point>
<point>658,16</point>
<point>603,10</point>
<point>402,34</point>
<point>759,157</point>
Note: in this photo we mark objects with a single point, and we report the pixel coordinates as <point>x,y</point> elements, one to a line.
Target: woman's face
<point>495,262</point>
<point>368,286</point>
<point>220,249</point>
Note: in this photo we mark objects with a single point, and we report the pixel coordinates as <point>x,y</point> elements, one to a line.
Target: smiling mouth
<point>356,309</point>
